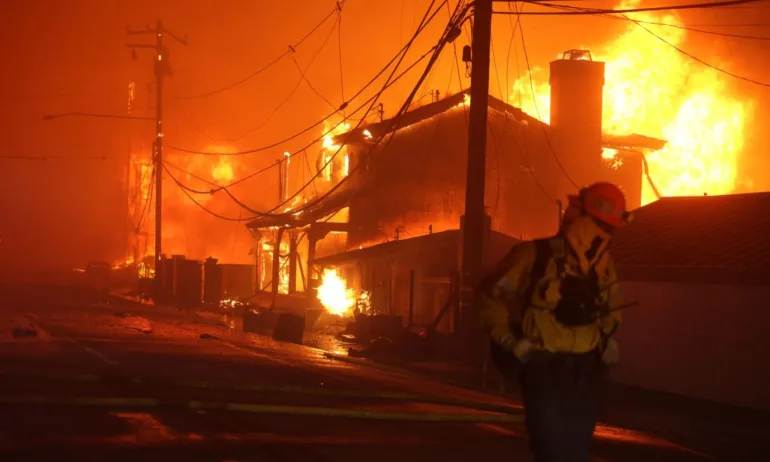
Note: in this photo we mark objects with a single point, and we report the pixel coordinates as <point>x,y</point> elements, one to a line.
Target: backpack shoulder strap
<point>558,248</point>
<point>543,248</point>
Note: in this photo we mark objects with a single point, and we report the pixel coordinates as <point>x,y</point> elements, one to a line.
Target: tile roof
<point>699,232</point>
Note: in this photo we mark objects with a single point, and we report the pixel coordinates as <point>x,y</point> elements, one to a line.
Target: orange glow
<point>334,294</point>
<point>222,172</point>
<point>191,231</point>
<point>652,89</point>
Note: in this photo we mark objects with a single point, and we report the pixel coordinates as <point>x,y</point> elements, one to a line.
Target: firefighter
<point>567,287</point>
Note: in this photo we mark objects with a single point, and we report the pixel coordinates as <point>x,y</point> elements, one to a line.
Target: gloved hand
<point>518,347</point>
<point>611,353</point>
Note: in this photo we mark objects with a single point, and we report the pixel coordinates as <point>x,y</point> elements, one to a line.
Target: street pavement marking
<point>496,429</point>
<point>122,402</point>
<point>96,353</point>
<point>288,389</point>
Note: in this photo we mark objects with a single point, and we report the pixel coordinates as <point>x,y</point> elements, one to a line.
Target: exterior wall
<point>706,341</point>
<point>420,180</point>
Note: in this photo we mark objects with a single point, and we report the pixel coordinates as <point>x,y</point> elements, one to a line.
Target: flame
<point>335,156</point>
<point>334,294</point>
<point>652,89</point>
<point>364,303</point>
<point>231,303</point>
<point>268,249</point>
<point>298,200</point>
<point>612,158</point>
<point>143,266</point>
<point>466,101</point>
<point>328,141</point>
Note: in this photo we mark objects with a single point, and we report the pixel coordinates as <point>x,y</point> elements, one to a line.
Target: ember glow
<point>652,89</point>
<point>334,294</point>
<point>187,229</point>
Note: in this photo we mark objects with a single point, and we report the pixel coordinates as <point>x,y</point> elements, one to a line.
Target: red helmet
<point>604,202</point>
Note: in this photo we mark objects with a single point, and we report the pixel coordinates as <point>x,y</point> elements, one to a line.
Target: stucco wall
<point>704,341</point>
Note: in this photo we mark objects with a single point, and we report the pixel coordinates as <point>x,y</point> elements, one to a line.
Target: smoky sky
<point>71,56</point>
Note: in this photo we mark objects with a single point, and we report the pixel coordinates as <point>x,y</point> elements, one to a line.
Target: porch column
<point>293,262</point>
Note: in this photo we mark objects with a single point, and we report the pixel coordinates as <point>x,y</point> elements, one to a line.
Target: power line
<point>291,94</point>
<point>270,64</point>
<point>508,54</point>
<point>304,78</point>
<point>273,165</point>
<point>324,119</point>
<point>690,28</point>
<point>457,65</point>
<point>700,31</point>
<point>389,81</point>
<point>392,131</point>
<point>148,203</point>
<point>525,152</point>
<point>201,206</point>
<point>437,48</point>
<point>490,131</point>
<point>251,175</point>
<point>45,158</point>
<point>575,11</point>
<point>750,24</point>
<point>339,50</point>
<point>534,103</point>
<point>695,58</point>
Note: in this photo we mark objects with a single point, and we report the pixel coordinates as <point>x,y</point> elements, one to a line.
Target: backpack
<point>578,302</point>
<point>545,249</point>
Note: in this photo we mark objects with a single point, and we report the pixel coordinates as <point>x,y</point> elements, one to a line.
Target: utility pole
<point>161,69</point>
<point>474,219</point>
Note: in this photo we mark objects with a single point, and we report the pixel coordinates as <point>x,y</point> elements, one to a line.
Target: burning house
<point>405,177</point>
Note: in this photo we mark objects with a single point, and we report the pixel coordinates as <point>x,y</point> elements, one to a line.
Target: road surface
<point>120,381</point>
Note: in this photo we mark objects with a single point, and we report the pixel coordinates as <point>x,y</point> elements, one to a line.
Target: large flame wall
<point>653,89</point>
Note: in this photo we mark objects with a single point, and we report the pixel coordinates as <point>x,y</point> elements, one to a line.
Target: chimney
<point>577,83</point>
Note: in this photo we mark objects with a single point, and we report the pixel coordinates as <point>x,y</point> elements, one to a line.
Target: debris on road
<point>138,323</point>
<point>381,347</point>
<point>121,314</point>
<point>205,336</point>
<point>290,328</point>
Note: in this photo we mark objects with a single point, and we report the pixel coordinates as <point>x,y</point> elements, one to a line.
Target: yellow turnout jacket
<point>512,280</point>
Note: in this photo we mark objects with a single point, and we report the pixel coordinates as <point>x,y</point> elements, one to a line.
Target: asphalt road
<point>125,382</point>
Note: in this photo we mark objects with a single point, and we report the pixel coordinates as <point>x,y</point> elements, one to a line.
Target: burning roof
<point>308,214</point>
<point>369,134</point>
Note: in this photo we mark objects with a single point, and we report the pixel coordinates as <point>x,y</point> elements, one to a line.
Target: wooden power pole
<point>162,68</point>
<point>474,220</point>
